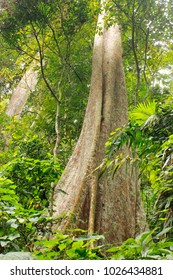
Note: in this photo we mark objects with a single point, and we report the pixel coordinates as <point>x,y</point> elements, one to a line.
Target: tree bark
<point>22,91</point>
<point>107,205</point>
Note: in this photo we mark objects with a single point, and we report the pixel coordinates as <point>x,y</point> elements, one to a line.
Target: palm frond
<point>143,113</point>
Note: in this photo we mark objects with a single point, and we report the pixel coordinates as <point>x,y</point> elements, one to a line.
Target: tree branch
<point>42,65</point>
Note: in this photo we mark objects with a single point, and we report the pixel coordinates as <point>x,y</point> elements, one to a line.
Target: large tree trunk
<point>109,206</point>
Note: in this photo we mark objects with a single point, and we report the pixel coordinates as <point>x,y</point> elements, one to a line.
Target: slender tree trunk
<point>22,91</point>
<point>109,206</point>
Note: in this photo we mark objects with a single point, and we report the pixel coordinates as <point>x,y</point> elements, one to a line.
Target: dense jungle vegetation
<point>36,144</point>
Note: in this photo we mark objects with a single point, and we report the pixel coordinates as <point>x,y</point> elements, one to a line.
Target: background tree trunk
<point>109,206</point>
<point>22,91</point>
<point>3,4</point>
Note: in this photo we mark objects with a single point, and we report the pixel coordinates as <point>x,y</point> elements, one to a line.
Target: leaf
<point>113,249</point>
<point>165,230</point>
<point>145,238</point>
<point>34,220</point>
<point>142,112</point>
<point>12,237</point>
<point>89,237</point>
<point>62,246</point>
<point>77,230</point>
<point>4,243</point>
<point>77,244</point>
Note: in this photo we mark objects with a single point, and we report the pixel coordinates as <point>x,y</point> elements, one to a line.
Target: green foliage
<point>19,226</point>
<point>33,178</point>
<point>3,121</point>
<point>144,51</point>
<point>68,247</point>
<point>9,206</point>
<point>10,69</point>
<point>26,19</point>
<point>148,246</point>
<point>61,32</point>
<point>149,136</point>
<point>144,113</point>
<point>26,192</point>
<point>21,12</point>
<point>144,247</point>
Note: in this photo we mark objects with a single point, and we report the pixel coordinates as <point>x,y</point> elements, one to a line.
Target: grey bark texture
<point>21,93</point>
